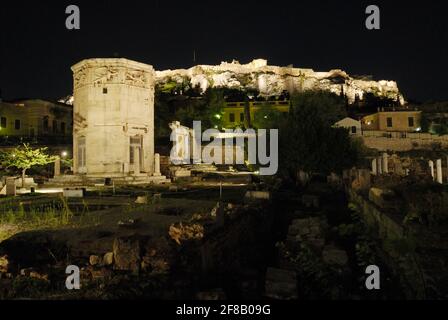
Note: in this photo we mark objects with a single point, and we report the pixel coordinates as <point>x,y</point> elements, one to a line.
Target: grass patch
<point>17,215</point>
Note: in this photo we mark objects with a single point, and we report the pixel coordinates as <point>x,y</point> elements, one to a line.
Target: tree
<point>309,142</point>
<point>267,117</point>
<point>24,157</point>
<point>214,105</point>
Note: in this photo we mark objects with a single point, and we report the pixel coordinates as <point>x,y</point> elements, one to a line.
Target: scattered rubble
<point>126,252</point>
<point>309,230</point>
<point>142,200</point>
<point>108,259</point>
<point>4,264</point>
<point>94,260</point>
<point>184,233</point>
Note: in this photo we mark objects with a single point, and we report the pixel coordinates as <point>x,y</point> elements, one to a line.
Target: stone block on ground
<point>108,259</point>
<point>127,254</point>
<point>73,192</point>
<point>258,195</point>
<point>142,200</point>
<point>94,260</point>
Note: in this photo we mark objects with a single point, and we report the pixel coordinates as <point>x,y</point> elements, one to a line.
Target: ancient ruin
<point>274,80</point>
<point>113,118</point>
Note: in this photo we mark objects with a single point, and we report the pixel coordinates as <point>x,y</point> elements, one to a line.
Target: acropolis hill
<point>273,80</point>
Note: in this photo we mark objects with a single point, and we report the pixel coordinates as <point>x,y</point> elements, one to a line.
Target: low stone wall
<point>407,143</point>
<point>398,253</point>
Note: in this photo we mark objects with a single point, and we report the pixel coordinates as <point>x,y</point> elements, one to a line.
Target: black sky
<point>36,50</point>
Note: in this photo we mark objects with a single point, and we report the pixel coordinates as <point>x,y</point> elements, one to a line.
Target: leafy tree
<point>425,123</point>
<point>442,128</point>
<point>309,142</point>
<point>267,117</point>
<point>215,102</point>
<point>24,157</point>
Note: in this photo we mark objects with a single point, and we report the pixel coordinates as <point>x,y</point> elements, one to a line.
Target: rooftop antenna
<point>194,56</point>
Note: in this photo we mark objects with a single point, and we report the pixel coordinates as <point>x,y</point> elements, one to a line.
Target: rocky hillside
<point>273,80</point>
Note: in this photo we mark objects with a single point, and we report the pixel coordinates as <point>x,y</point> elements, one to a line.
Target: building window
<point>17,124</point>
<point>104,90</point>
<point>354,130</point>
<point>63,127</point>
<point>55,126</point>
<point>45,123</point>
<point>389,123</point>
<point>231,117</point>
<point>3,122</point>
<point>241,117</point>
<point>411,122</point>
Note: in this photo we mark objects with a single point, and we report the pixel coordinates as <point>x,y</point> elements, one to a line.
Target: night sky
<point>36,49</point>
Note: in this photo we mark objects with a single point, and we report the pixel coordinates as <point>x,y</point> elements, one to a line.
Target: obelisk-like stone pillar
<point>374,167</point>
<point>379,164</point>
<point>385,163</point>
<point>439,171</point>
<point>431,168</point>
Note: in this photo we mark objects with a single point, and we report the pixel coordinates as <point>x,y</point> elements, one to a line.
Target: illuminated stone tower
<point>113,121</point>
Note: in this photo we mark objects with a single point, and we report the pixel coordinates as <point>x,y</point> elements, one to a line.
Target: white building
<point>113,125</point>
<point>353,126</point>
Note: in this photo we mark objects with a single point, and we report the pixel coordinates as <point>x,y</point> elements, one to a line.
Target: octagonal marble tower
<point>113,120</point>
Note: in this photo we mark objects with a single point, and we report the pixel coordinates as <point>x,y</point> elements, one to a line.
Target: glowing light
<point>50,190</point>
<point>218,116</point>
<point>64,154</point>
<point>418,129</point>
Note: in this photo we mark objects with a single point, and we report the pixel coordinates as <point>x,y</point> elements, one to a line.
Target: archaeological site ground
<point>223,160</point>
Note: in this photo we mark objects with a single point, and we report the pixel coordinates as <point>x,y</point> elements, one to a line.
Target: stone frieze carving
<point>80,77</point>
<point>136,78</point>
<point>105,74</point>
